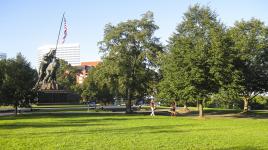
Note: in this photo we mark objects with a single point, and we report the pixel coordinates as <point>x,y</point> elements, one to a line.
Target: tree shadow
<point>260,114</point>
<point>119,131</point>
<point>45,125</point>
<point>63,115</point>
<point>251,115</point>
<point>69,120</point>
<point>241,148</point>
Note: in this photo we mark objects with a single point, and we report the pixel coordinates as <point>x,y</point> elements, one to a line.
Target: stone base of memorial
<point>57,97</point>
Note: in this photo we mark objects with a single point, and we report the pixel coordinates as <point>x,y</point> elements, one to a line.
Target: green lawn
<point>6,107</point>
<point>60,106</point>
<point>72,131</point>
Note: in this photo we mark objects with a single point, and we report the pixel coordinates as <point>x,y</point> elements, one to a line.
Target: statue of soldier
<point>51,73</point>
<point>47,59</point>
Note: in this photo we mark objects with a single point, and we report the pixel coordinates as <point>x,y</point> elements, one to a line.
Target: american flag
<point>65,30</point>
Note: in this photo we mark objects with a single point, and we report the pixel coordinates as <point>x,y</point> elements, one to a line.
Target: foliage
<point>259,102</point>
<point>227,97</point>
<point>198,62</point>
<point>250,44</point>
<point>66,76</point>
<point>130,53</point>
<point>95,89</point>
<point>2,75</point>
<point>17,82</point>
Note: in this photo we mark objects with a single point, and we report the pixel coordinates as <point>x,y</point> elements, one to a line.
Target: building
<point>85,67</point>
<point>67,52</point>
<point>90,63</point>
<point>3,55</point>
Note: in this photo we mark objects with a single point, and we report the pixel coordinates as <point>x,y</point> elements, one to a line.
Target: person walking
<point>152,105</point>
<point>173,108</point>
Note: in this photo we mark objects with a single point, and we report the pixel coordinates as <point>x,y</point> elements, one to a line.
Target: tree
<point>89,87</point>
<point>66,75</point>
<point>198,61</point>
<point>96,88</point>
<point>130,53</point>
<point>2,76</point>
<point>250,44</point>
<point>170,85</point>
<point>18,81</point>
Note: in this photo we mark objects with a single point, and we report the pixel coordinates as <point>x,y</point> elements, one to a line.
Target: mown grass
<point>60,106</point>
<point>120,131</point>
<point>6,107</point>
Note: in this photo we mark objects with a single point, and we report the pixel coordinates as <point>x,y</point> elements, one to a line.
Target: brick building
<point>85,67</point>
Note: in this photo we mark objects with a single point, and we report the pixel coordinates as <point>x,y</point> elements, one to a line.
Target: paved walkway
<point>120,110</point>
<point>7,114</point>
<point>11,111</point>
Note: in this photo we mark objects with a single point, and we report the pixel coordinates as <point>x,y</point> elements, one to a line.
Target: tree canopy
<point>250,46</point>
<point>66,76</point>
<point>17,81</point>
<point>198,61</point>
<point>130,53</point>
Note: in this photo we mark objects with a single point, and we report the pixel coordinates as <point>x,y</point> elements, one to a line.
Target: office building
<point>67,52</point>
<point>84,68</point>
<point>3,55</point>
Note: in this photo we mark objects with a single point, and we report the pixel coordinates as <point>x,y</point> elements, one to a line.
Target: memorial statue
<point>47,72</point>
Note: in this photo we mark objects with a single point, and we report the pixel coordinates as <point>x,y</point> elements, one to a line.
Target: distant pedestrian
<point>152,105</point>
<point>173,109</point>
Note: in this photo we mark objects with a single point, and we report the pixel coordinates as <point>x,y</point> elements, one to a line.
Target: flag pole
<point>59,31</point>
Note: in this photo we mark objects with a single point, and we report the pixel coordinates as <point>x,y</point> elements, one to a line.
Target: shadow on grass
<point>252,115</point>
<point>63,115</point>
<point>260,114</point>
<point>221,111</point>
<point>66,114</point>
<point>44,125</point>
<point>241,148</point>
<point>68,120</point>
<point>231,113</point>
<point>140,130</point>
<point>59,106</point>
<point>115,131</point>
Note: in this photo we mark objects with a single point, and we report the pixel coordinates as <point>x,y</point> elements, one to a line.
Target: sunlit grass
<point>6,107</point>
<point>120,131</point>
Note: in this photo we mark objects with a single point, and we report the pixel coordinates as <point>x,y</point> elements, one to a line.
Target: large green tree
<point>250,44</point>
<point>130,53</point>
<point>198,61</point>
<point>2,75</point>
<point>66,76</point>
<point>17,82</point>
<point>89,87</point>
<point>96,88</point>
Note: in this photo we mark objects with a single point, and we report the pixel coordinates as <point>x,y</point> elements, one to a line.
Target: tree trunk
<point>128,104</point>
<point>246,100</point>
<point>200,108</point>
<point>197,104</point>
<point>16,107</point>
<point>185,105</point>
<point>185,108</point>
<point>128,109</point>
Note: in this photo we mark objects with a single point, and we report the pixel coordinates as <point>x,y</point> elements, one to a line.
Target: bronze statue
<point>47,72</point>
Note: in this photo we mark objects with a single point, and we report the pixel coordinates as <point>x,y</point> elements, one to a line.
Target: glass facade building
<point>3,55</point>
<point>67,52</point>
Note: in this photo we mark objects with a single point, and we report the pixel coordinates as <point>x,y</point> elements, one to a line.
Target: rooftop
<point>90,63</point>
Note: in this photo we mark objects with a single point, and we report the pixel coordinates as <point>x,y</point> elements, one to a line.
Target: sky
<point>26,25</point>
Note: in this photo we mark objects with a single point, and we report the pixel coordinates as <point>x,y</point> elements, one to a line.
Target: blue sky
<point>26,25</point>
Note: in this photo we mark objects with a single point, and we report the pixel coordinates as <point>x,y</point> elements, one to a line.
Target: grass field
<point>119,131</point>
<point>6,107</point>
